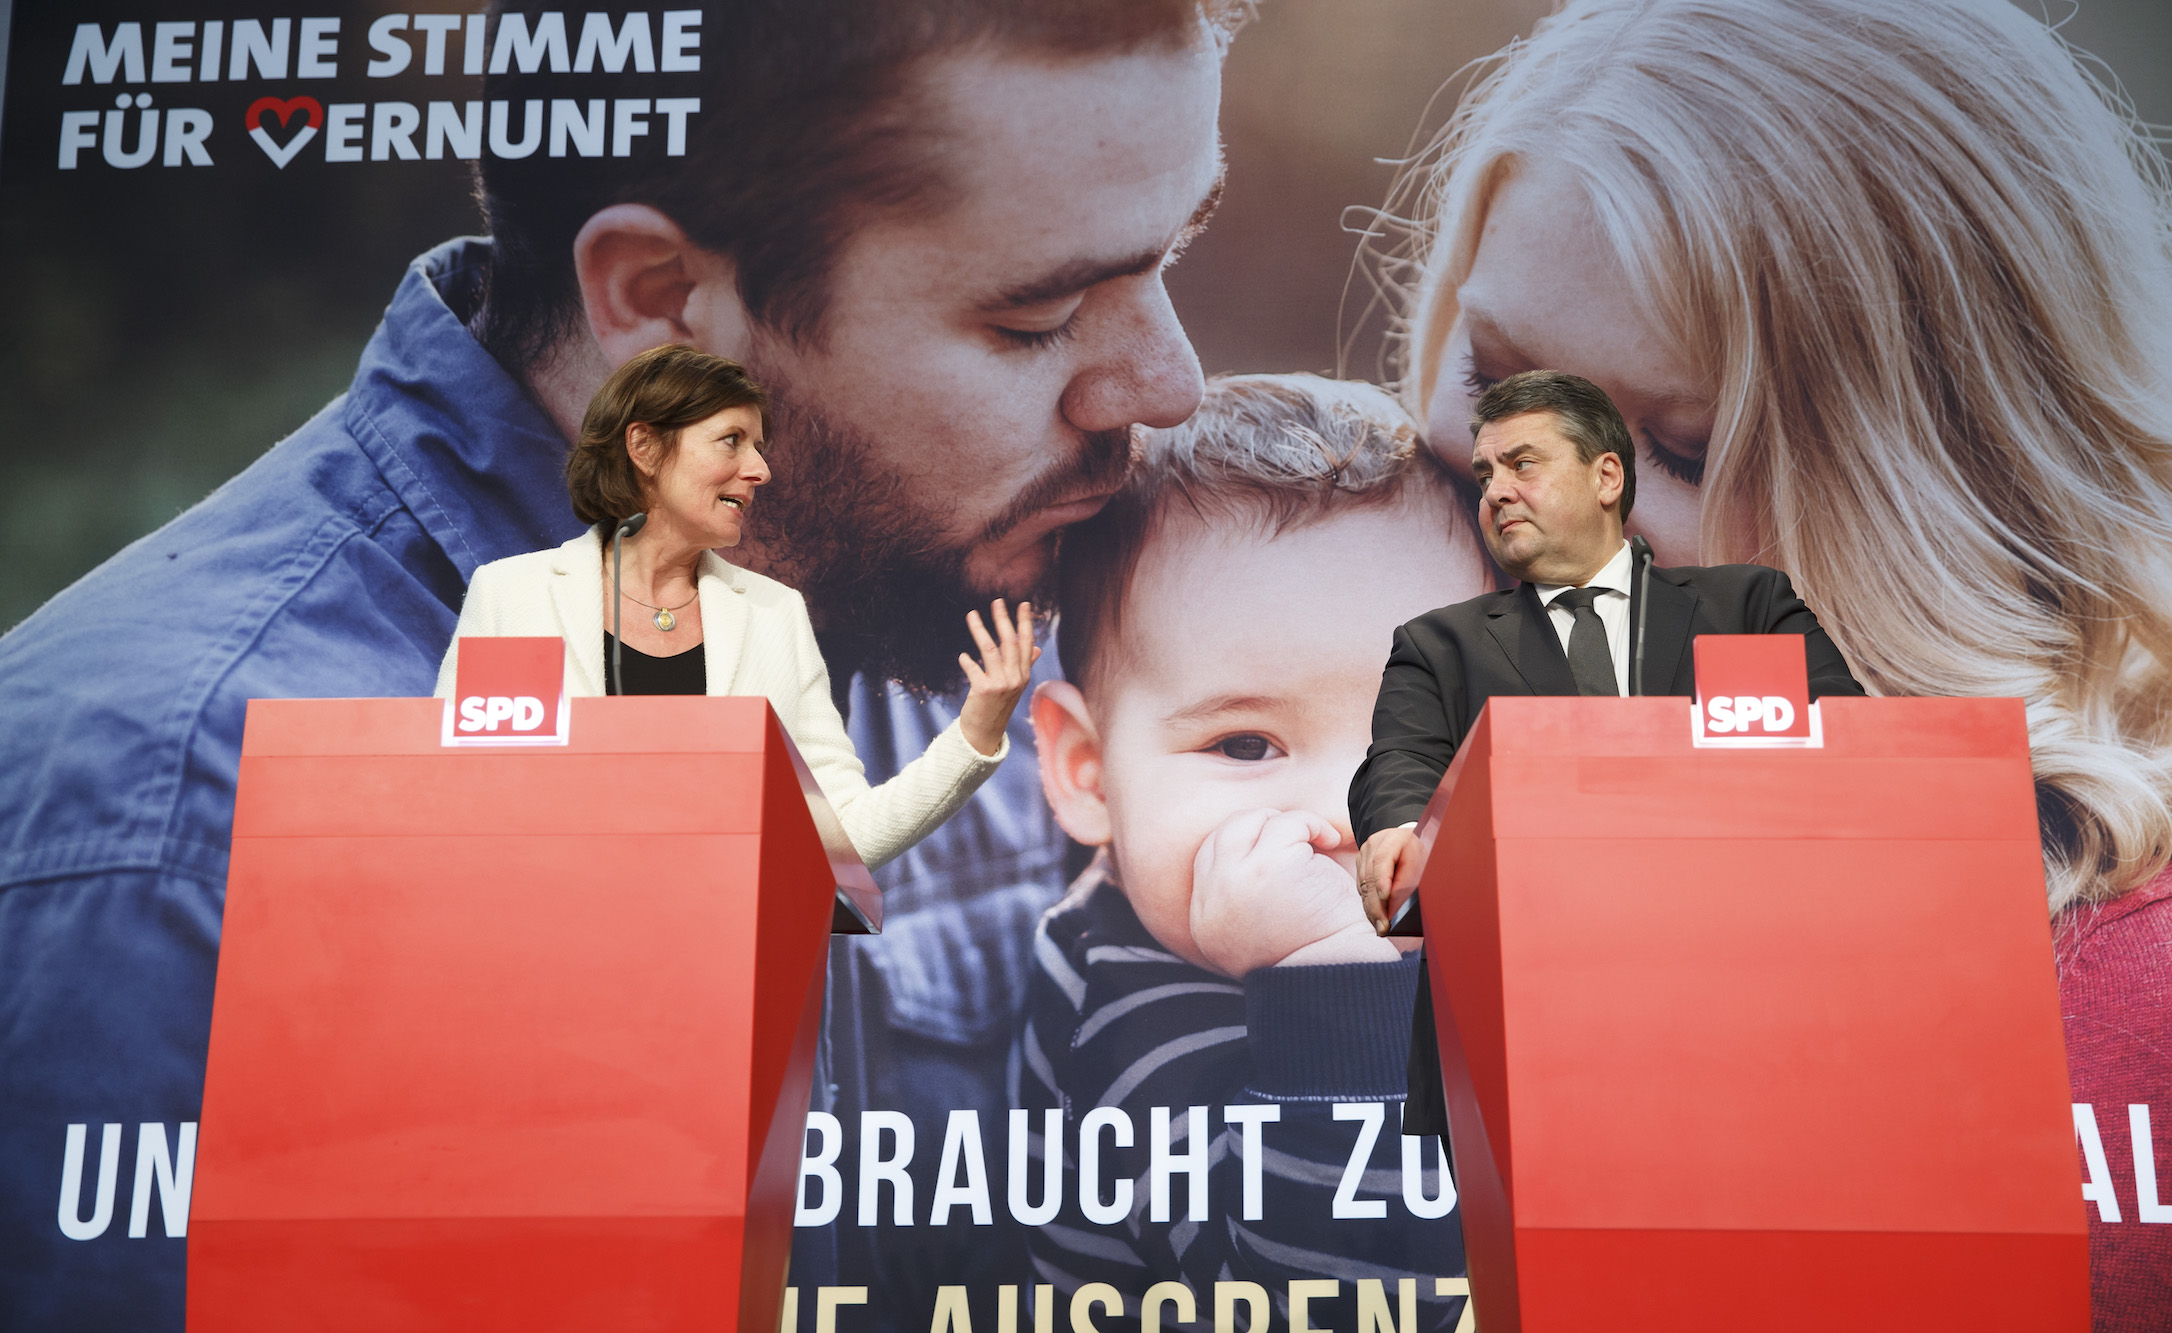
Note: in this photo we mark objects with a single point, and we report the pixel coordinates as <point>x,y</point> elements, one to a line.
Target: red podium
<point>1753,1039</point>
<point>514,1038</point>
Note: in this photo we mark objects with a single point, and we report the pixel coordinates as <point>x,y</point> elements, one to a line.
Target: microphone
<point>1640,556</point>
<point>625,529</point>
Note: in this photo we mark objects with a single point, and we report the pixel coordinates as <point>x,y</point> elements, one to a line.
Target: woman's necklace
<point>663,619</point>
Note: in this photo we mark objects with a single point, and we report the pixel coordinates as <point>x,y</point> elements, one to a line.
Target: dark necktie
<point>1591,660</point>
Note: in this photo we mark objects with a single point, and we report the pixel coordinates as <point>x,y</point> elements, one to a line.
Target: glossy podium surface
<point>1753,1039</point>
<point>513,1038</point>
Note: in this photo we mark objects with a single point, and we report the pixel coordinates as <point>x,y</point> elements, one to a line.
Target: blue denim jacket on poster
<point>334,566</point>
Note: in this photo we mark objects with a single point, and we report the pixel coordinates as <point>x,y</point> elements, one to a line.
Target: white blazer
<point>756,639</point>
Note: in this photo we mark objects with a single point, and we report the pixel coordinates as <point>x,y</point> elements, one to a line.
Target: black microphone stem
<point>627,527</point>
<point>618,606</point>
<point>1641,551</point>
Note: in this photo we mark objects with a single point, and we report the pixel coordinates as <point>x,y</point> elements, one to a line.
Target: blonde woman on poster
<point>1884,291</point>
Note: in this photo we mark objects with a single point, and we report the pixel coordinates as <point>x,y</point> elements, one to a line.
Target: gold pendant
<point>663,620</point>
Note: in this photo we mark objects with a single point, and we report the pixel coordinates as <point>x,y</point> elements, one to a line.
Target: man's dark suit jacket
<point>1445,665</point>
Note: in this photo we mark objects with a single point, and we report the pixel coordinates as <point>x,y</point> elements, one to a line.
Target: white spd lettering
<point>1738,713</point>
<point>484,712</point>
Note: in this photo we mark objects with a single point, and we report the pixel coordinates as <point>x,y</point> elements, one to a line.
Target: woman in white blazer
<point>677,434</point>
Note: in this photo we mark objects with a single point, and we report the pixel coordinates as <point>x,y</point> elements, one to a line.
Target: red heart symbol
<point>253,118</point>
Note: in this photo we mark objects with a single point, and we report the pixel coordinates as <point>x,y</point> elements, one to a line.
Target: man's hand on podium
<point>1388,868</point>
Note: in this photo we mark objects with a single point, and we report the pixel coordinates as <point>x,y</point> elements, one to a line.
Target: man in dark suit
<point>1557,472</point>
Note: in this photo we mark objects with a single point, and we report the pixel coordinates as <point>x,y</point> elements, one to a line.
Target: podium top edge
<point>641,724</point>
<point>1854,727</point>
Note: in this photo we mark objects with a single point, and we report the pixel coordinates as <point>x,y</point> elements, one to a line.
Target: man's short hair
<point>1268,453</point>
<point>1582,412</point>
<point>808,128</point>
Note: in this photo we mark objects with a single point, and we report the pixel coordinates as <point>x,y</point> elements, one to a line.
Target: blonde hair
<point>1923,254</point>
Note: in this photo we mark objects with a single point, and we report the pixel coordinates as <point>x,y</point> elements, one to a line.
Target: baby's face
<point>1247,681</point>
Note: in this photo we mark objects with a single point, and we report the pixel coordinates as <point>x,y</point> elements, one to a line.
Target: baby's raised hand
<point>1265,891</point>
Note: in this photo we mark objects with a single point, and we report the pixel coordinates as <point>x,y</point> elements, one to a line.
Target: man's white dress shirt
<point>1613,609</point>
<point>1612,606</point>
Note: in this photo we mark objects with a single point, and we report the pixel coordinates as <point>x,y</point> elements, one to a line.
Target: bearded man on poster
<point>937,236</point>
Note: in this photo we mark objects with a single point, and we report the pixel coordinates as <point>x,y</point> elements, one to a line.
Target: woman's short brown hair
<point>666,389</point>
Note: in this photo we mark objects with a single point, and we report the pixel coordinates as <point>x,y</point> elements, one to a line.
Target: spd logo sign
<point>509,691</point>
<point>1753,691</point>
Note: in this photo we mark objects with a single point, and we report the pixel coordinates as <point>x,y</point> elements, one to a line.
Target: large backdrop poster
<point>298,306</point>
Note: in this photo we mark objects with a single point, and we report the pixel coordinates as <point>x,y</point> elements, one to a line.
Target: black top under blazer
<point>1445,664</point>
